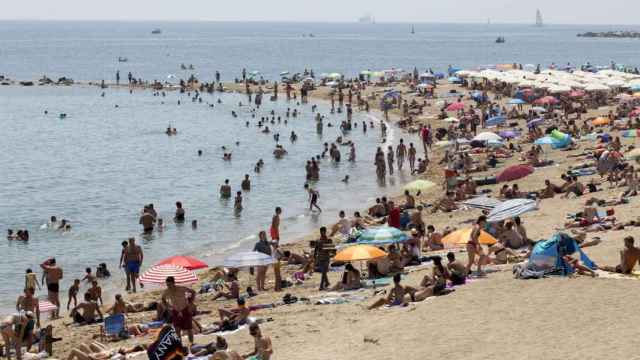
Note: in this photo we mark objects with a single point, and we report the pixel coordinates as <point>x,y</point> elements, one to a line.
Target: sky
<point>414,11</point>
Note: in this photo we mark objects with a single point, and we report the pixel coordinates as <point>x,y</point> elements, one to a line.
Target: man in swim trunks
<point>629,257</point>
<point>246,183</point>
<point>180,300</point>
<point>89,310</point>
<point>275,225</point>
<point>147,220</point>
<point>133,257</point>
<point>53,275</point>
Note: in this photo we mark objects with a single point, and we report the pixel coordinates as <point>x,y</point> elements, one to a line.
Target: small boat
<point>500,40</point>
<point>156,31</point>
<point>122,59</point>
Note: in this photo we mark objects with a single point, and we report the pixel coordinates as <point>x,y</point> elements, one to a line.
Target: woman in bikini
<point>473,245</point>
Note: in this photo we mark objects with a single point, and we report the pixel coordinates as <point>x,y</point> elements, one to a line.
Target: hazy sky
<point>513,11</point>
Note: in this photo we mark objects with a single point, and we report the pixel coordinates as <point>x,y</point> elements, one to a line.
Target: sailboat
<point>413,30</point>
<point>539,22</point>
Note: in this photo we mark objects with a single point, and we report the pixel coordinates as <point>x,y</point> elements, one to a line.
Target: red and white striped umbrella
<point>158,275</point>
<point>46,306</point>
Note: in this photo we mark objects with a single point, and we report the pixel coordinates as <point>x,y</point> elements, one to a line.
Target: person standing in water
<point>225,190</point>
<point>390,159</point>
<point>179,217</point>
<point>133,257</point>
<point>314,196</point>
<point>275,225</point>
<point>246,183</point>
<point>412,157</point>
<point>401,152</point>
<point>237,205</point>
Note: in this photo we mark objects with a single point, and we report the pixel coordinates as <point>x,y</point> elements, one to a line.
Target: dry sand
<point>497,317</point>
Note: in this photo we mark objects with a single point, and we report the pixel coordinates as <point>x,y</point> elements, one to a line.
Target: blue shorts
<point>133,266</point>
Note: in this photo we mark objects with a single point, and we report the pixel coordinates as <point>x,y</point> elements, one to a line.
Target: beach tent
<point>560,139</point>
<point>547,255</point>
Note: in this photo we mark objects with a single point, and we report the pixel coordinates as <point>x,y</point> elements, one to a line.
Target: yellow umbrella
<point>360,253</point>
<point>419,185</point>
<point>461,237</point>
<point>600,121</point>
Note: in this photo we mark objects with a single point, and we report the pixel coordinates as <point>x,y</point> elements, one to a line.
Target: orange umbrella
<point>461,237</point>
<point>600,121</point>
<point>360,253</point>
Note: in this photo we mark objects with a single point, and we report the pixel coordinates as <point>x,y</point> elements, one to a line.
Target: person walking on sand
<point>323,257</point>
<point>181,300</point>
<point>473,245</point>
<point>133,260</point>
<point>53,275</point>
<point>401,152</point>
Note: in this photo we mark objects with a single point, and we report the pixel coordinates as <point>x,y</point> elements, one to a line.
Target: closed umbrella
<point>511,208</point>
<point>359,253</point>
<point>419,185</point>
<point>462,236</point>
<point>382,236</point>
<point>158,275</point>
<point>515,172</point>
<point>187,262</point>
<point>248,259</point>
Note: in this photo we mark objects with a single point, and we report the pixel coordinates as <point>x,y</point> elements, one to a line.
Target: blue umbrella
<point>381,236</point>
<point>496,120</point>
<point>517,102</point>
<point>635,87</point>
<point>535,122</point>
<point>454,80</point>
<point>508,134</point>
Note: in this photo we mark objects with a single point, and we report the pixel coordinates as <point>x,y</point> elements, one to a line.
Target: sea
<point>109,156</point>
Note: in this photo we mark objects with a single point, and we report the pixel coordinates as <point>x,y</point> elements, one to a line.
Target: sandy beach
<point>493,317</point>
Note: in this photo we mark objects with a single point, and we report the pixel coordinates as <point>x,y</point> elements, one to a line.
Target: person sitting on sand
<point>434,239</point>
<point>98,351</point>
<point>89,310</point>
<point>629,257</point>
<point>295,259</point>
<point>397,295</point>
<point>378,210</point>
<point>118,307</point>
<point>263,349</point>
<point>350,279</point>
<point>445,204</point>
<point>575,187</point>
<point>456,269</point>
<point>511,238</point>
<point>549,190</point>
<point>409,202</point>
<point>237,316</point>
<point>379,267</point>
<point>233,289</point>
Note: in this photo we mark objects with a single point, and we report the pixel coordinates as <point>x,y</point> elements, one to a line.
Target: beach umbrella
<point>576,93</point>
<point>596,87</point>
<point>457,106</point>
<point>546,100</point>
<point>383,235</point>
<point>559,89</point>
<point>454,80</point>
<point>424,86</point>
<point>419,185</point>
<point>359,253</point>
<point>535,122</point>
<point>451,120</point>
<point>508,134</point>
<point>187,262</point>
<point>248,259</point>
<point>46,306</point>
<point>511,208</point>
<point>495,143</point>
<point>334,76</point>
<point>487,136</point>
<point>600,121</point>
<point>630,133</point>
<point>515,172</point>
<point>539,109</point>
<point>496,120</point>
<point>517,102</point>
<point>462,236</point>
<point>633,154</point>
<point>635,87</point>
<point>158,275</point>
<point>482,202</point>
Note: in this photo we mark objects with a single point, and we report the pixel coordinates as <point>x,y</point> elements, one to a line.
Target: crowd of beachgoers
<point>480,138</point>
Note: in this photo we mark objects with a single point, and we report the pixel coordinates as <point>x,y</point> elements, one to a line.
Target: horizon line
<point>308,22</point>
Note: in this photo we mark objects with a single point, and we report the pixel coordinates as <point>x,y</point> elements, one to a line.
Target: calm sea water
<point>99,166</point>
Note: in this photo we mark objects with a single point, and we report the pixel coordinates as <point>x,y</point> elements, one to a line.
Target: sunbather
<point>350,279</point>
<point>629,257</point>
<point>398,295</point>
<point>232,289</point>
<point>98,351</point>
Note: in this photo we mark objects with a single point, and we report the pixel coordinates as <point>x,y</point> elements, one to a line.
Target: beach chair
<point>114,326</point>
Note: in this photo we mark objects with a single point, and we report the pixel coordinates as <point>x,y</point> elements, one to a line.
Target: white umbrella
<point>487,136</point>
<point>511,208</point>
<point>596,87</point>
<point>248,259</point>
